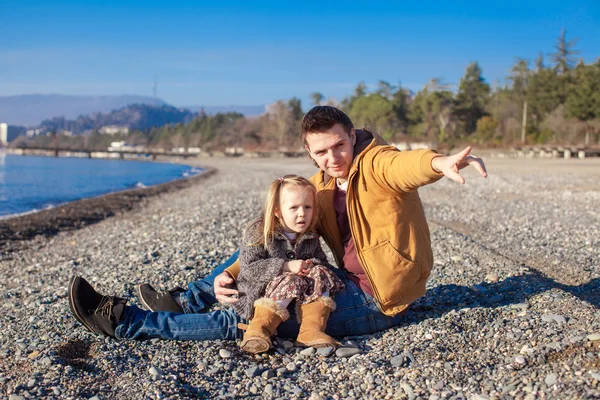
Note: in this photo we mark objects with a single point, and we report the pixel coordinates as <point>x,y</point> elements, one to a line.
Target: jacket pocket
<point>394,276</point>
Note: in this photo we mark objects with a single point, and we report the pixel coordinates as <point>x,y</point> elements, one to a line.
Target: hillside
<point>32,109</point>
<point>135,117</point>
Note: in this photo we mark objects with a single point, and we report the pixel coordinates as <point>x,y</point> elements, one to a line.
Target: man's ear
<point>307,149</point>
<point>353,136</point>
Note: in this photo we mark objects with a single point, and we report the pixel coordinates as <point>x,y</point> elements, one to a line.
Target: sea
<point>32,183</point>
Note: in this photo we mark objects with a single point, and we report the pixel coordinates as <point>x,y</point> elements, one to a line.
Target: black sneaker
<point>100,314</point>
<point>160,301</point>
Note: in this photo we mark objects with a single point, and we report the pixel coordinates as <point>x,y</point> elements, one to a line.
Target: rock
<point>94,398</point>
<point>309,351</point>
<point>520,360</point>
<point>33,355</point>
<point>594,337</point>
<point>16,397</point>
<point>268,374</point>
<point>397,361</point>
<point>291,367</point>
<point>252,371</point>
<point>287,344</point>
<point>595,375</point>
<point>492,277</point>
<point>554,317</point>
<point>551,379</point>
<point>155,372</point>
<point>343,352</point>
<point>325,351</point>
<point>224,353</point>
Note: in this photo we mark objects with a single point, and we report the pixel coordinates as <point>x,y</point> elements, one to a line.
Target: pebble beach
<point>511,312</point>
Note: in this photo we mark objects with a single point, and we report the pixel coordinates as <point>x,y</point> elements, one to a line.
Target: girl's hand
<point>298,267</point>
<point>294,266</point>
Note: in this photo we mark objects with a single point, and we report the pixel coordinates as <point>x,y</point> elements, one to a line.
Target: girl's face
<point>295,209</point>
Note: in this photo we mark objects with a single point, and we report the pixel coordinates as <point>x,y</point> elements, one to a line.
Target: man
<point>371,217</point>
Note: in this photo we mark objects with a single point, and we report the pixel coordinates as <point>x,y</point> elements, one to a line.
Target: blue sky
<point>246,53</point>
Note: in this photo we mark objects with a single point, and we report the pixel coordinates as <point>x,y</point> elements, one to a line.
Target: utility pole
<point>524,125</point>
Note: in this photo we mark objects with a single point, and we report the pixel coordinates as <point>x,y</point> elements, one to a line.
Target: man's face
<point>332,150</point>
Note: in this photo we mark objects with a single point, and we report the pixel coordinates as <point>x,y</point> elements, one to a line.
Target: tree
<point>282,123</point>
<point>376,112</point>
<point>384,89</point>
<point>317,98</point>
<point>400,104</point>
<point>431,111</point>
<point>563,58</point>
<point>539,62</point>
<point>583,99</point>
<point>472,97</point>
<point>295,106</point>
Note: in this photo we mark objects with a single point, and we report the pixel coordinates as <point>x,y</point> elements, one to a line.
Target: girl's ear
<point>277,213</point>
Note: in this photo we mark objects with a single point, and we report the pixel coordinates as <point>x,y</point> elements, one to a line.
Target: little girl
<point>281,260</point>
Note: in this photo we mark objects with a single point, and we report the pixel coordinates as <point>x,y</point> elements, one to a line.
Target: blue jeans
<point>356,314</point>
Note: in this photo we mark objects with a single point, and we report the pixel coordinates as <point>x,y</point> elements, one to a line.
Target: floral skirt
<point>305,289</point>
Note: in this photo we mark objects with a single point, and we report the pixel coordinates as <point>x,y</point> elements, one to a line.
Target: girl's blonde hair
<point>270,221</point>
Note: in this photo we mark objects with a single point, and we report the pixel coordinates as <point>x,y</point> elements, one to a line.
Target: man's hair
<point>322,118</point>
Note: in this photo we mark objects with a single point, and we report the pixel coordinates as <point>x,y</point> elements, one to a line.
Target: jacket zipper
<point>359,253</point>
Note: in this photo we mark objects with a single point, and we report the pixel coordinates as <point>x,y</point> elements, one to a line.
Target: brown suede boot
<point>313,321</point>
<point>267,317</point>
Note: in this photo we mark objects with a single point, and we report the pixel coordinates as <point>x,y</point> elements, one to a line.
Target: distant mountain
<point>32,109</point>
<point>248,111</point>
<point>135,116</point>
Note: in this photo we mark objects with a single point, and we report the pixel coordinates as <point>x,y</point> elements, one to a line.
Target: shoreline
<point>77,214</point>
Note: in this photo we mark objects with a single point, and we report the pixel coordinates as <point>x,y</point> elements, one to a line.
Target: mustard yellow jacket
<point>386,218</point>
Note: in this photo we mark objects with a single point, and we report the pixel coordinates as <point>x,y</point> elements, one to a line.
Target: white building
<point>3,133</point>
<point>114,130</point>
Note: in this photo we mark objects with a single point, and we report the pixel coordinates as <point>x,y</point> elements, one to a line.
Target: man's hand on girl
<point>223,287</point>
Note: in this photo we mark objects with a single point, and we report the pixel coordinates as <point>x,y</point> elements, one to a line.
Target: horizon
<point>260,53</point>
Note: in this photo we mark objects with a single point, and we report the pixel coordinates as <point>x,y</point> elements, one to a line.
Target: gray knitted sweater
<point>260,265</point>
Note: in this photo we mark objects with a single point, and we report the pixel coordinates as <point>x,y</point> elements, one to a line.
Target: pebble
<point>224,353</point>
<point>551,379</point>
<point>155,372</point>
<point>554,317</point>
<point>397,361</point>
<point>520,360</point>
<point>309,351</point>
<point>593,337</point>
<point>252,371</point>
<point>291,367</point>
<point>343,352</point>
<point>325,351</point>
<point>287,344</point>
<point>491,278</point>
<point>268,374</point>
<point>595,375</point>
